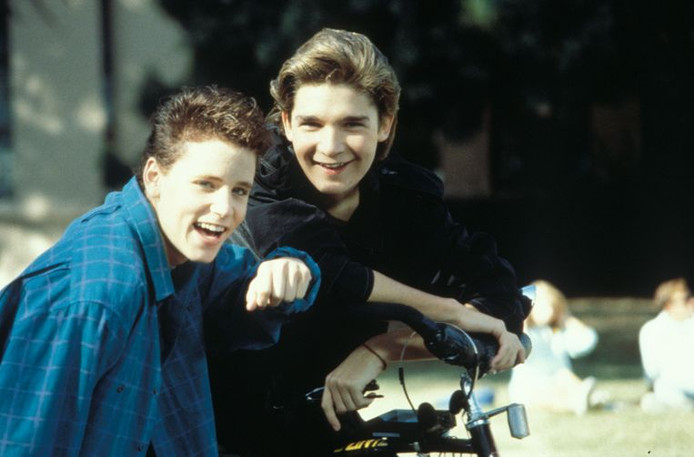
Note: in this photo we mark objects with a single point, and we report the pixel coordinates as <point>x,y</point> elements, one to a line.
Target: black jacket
<point>403,229</point>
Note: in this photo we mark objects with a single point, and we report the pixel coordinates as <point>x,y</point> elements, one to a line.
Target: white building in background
<point>59,113</point>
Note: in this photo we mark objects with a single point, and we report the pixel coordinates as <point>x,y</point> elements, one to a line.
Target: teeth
<point>332,165</point>
<point>211,227</point>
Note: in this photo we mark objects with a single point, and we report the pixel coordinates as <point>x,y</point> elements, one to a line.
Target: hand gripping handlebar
<point>445,341</point>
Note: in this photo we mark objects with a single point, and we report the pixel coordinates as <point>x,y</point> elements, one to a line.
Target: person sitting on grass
<point>547,380</point>
<point>101,337</point>
<point>666,343</point>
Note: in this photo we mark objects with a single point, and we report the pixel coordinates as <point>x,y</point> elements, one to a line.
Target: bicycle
<point>426,429</point>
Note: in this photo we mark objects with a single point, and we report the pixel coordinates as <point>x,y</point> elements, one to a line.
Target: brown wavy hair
<point>339,57</point>
<point>199,114</point>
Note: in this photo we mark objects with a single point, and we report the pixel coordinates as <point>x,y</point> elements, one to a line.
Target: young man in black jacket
<point>380,231</point>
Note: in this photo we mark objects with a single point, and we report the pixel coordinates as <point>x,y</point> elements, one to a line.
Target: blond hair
<point>556,300</point>
<point>339,57</point>
<point>664,292</point>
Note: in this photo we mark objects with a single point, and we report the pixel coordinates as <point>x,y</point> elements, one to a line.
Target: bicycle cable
<point>401,370</point>
<point>477,356</point>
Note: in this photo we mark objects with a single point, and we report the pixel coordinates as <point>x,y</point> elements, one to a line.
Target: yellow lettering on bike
<point>354,446</point>
<point>364,444</point>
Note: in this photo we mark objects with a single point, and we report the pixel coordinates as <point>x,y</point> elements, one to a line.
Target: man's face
<point>680,306</point>
<point>201,198</point>
<point>335,130</point>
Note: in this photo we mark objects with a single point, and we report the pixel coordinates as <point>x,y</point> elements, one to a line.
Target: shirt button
<point>140,447</point>
<point>120,388</point>
<point>155,391</point>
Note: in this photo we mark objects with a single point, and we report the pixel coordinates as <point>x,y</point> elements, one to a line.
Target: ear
<point>151,175</point>
<point>287,124</point>
<point>385,124</point>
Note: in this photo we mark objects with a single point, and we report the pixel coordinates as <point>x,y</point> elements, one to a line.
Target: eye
<point>240,191</point>
<point>354,124</point>
<point>309,124</point>
<point>205,184</point>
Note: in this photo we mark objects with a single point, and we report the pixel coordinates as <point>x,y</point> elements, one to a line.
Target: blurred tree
<point>663,37</point>
<point>562,59</point>
<point>5,111</point>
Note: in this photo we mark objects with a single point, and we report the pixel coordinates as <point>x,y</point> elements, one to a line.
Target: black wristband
<point>383,361</point>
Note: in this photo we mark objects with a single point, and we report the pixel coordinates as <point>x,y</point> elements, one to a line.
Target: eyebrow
<point>357,118</point>
<point>301,118</point>
<point>218,179</point>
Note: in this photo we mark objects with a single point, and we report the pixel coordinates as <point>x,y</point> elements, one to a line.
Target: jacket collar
<point>280,173</point>
<point>144,222</point>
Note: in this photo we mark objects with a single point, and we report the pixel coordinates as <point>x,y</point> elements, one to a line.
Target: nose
<point>331,142</point>
<point>221,203</point>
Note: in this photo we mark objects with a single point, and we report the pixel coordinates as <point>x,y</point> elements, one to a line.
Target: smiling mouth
<point>210,230</point>
<point>333,166</point>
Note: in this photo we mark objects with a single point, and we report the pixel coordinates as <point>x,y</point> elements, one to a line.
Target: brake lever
<point>315,395</point>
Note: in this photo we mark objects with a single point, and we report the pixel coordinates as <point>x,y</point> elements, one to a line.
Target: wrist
<point>384,363</point>
<point>498,328</point>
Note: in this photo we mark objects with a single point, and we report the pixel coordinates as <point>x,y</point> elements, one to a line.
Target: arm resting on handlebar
<point>344,389</point>
<point>441,309</point>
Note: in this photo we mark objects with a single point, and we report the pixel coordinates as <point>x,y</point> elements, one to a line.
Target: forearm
<point>389,346</point>
<point>580,338</point>
<point>437,308</point>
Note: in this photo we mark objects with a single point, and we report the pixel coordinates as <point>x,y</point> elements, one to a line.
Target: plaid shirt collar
<point>143,219</point>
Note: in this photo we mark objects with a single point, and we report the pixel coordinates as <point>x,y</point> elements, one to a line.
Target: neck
<point>343,206</point>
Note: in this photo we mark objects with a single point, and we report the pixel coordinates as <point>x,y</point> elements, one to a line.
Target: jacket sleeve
<point>475,273</point>
<point>650,350</point>
<point>226,319</point>
<point>456,262</point>
<point>292,222</point>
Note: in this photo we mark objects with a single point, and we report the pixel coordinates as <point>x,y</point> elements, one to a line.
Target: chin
<point>332,190</point>
<point>203,257</point>
<point>207,259</point>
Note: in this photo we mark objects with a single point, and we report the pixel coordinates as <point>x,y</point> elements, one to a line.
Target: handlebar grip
<point>456,347</point>
<point>488,350</point>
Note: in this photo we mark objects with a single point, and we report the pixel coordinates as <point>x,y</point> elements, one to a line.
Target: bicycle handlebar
<point>457,347</point>
<point>447,342</point>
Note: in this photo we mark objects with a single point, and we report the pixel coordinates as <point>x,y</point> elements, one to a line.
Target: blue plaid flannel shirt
<point>101,343</point>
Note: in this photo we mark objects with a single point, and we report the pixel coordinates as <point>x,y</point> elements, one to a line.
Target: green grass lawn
<point>621,430</point>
